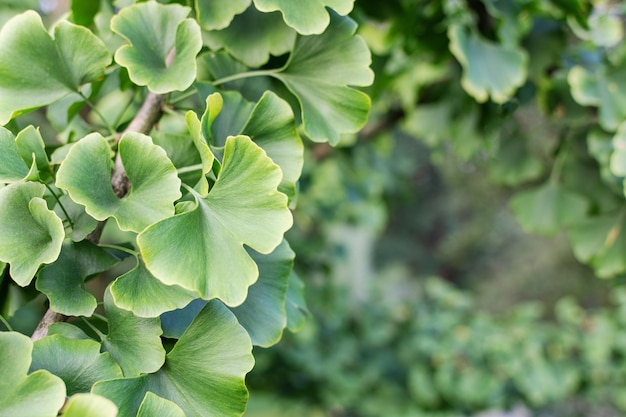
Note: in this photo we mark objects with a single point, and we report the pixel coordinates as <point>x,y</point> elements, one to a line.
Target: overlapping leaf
<point>203,374</point>
<point>490,70</point>
<point>201,249</point>
<point>154,183</point>
<point>30,233</point>
<point>308,17</point>
<point>295,305</point>
<point>78,363</point>
<point>36,69</point>
<point>134,342</point>
<point>12,166</point>
<point>64,281</point>
<point>318,73</point>
<point>38,394</point>
<point>253,47</point>
<point>89,405</point>
<point>218,14</point>
<point>154,31</point>
<point>153,405</point>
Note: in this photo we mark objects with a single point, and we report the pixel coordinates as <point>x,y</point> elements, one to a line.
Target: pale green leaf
<point>78,363</point>
<point>64,281</point>
<point>202,249</point>
<point>30,233</point>
<point>546,209</point>
<point>319,72</point>
<point>153,405</point>
<point>203,374</point>
<point>39,394</point>
<point>134,342</point>
<point>68,331</point>
<point>89,405</point>
<point>308,17</point>
<point>140,292</point>
<point>295,305</point>
<point>154,182</point>
<point>213,106</point>
<point>263,313</point>
<point>617,162</point>
<point>271,36</point>
<point>218,14</point>
<point>36,69</point>
<point>154,31</point>
<point>33,149</point>
<point>12,166</point>
<point>490,70</point>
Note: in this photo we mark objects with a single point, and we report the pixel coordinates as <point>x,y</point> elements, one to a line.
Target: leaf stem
<point>94,328</point>
<point>93,107</point>
<point>56,197</point>
<point>242,75</point>
<point>190,168</point>
<point>100,317</point>
<point>6,323</point>
<point>183,96</point>
<point>120,248</point>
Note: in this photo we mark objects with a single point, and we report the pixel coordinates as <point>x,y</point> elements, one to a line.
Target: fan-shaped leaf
<point>308,17</point>
<point>201,249</point>
<point>39,394</point>
<point>12,166</point>
<point>203,374</point>
<point>36,69</point>
<point>154,182</point>
<point>153,405</point>
<point>155,30</point>
<point>89,405</point>
<point>30,233</point>
<point>218,14</point>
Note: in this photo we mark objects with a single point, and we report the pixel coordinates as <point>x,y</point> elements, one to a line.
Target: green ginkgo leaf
<point>30,233</point>
<point>604,88</point>
<point>89,405</point>
<point>78,363</point>
<point>33,149</point>
<point>134,342</point>
<point>201,249</point>
<point>154,182</point>
<point>203,374</point>
<point>140,292</point>
<point>214,105</point>
<point>153,405</point>
<point>64,281</point>
<point>39,394</point>
<point>319,72</point>
<point>263,313</point>
<point>12,166</point>
<point>308,17</point>
<point>271,36</point>
<point>218,14</point>
<point>546,209</point>
<point>270,123</point>
<point>36,69</point>
<point>155,31</point>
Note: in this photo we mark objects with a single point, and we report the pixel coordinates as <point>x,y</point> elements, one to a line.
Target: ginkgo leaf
<point>271,36</point>
<point>214,105</point>
<point>78,363</point>
<point>33,149</point>
<point>218,14</point>
<point>89,405</point>
<point>547,208</point>
<point>30,233</point>
<point>153,405</point>
<point>64,281</point>
<point>154,31</point>
<point>39,394</point>
<point>270,123</point>
<point>140,292</point>
<point>36,69</point>
<point>604,88</point>
<point>490,70</point>
<point>319,72</point>
<point>154,182</point>
<point>201,249</point>
<point>134,342</point>
<point>263,313</point>
<point>203,374</point>
<point>12,168</point>
<point>295,305</point>
<point>308,17</point>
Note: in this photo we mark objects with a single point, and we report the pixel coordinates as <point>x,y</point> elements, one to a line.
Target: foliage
<point>148,165</point>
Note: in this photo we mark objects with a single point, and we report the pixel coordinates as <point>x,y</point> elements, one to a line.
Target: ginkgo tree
<point>157,145</point>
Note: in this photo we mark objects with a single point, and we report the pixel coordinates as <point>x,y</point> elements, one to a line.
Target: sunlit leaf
<point>491,70</point>
<point>30,233</point>
<point>153,405</point>
<point>36,69</point>
<point>64,281</point>
<point>133,342</point>
<point>203,374</point>
<point>201,249</point>
<point>78,363</point>
<point>39,394</point>
<point>308,17</point>
<point>12,168</point>
<point>218,14</point>
<point>89,405</point>
<point>154,182</point>
<point>154,31</point>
